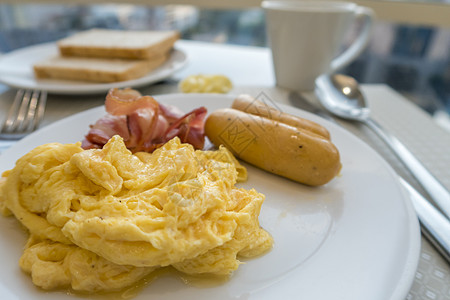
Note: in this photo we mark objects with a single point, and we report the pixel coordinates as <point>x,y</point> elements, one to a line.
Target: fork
<point>25,114</point>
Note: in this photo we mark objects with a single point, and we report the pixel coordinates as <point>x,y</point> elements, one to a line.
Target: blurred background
<point>412,59</point>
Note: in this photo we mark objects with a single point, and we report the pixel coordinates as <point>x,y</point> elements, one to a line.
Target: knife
<point>434,225</point>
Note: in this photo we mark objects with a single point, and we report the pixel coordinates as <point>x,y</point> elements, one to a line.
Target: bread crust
<point>96,69</point>
<point>118,43</point>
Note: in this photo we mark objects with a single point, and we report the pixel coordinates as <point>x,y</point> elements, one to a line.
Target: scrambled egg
<point>102,219</point>
<point>206,84</point>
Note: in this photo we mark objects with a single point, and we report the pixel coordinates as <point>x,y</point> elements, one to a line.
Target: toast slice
<point>96,69</point>
<point>118,43</point>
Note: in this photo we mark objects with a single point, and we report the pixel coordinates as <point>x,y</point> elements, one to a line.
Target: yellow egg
<point>100,220</point>
<point>219,84</point>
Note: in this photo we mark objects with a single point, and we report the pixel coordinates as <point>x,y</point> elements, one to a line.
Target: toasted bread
<point>118,43</point>
<point>96,69</point>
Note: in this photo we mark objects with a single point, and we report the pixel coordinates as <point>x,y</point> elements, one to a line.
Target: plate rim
<point>406,276</point>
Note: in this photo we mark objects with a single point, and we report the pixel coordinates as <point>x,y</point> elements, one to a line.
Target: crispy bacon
<point>126,101</point>
<point>190,128</point>
<point>145,124</point>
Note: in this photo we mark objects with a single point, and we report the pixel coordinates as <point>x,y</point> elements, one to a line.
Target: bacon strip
<point>145,124</point>
<point>190,128</point>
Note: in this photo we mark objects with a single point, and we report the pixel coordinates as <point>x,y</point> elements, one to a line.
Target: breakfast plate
<point>355,238</point>
<point>16,70</point>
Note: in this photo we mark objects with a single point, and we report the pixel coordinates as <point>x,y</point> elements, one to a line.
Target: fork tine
<point>40,110</point>
<point>30,116</point>
<point>25,114</point>
<point>19,124</point>
<point>11,118</point>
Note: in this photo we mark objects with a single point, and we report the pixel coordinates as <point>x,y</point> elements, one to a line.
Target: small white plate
<point>16,70</point>
<point>355,238</point>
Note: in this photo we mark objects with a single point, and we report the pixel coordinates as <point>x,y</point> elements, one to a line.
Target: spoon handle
<point>434,188</point>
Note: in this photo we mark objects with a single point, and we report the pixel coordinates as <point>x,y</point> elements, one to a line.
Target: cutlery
<point>25,114</point>
<point>341,96</point>
<point>435,226</point>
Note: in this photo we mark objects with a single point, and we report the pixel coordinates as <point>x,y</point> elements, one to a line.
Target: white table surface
<point>251,72</point>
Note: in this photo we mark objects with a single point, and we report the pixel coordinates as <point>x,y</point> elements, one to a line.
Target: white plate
<point>355,238</point>
<point>16,70</point>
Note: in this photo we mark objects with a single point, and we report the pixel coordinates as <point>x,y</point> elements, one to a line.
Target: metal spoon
<point>341,95</point>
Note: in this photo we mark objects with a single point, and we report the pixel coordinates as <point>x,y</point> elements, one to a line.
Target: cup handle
<point>359,44</point>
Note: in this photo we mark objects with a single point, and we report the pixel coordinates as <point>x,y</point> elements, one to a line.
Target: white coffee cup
<point>306,36</point>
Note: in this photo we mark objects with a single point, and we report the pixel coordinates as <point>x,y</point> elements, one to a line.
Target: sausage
<point>248,104</point>
<point>276,147</point>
